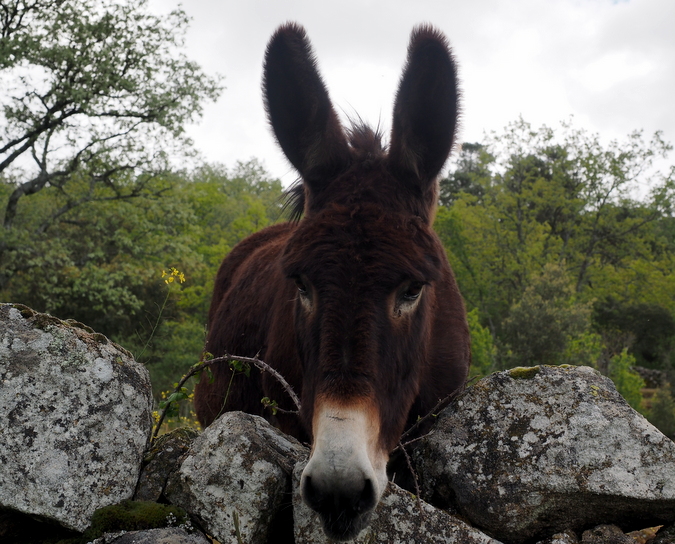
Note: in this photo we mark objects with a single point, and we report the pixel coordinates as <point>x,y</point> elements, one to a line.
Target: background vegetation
<point>563,245</point>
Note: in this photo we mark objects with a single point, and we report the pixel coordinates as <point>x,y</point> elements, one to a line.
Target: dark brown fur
<point>365,238</point>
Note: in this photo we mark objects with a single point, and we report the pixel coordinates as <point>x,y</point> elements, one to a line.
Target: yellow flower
<point>173,275</point>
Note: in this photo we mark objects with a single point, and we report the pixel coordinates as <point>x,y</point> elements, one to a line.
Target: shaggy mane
<point>366,145</point>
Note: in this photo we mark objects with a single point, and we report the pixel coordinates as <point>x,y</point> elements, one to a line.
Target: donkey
<point>355,303</point>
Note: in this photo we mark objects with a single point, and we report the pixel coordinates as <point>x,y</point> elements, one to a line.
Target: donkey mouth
<point>343,516</point>
<point>344,525</point>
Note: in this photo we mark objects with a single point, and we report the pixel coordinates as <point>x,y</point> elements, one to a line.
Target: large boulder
<point>398,519</point>
<point>236,478</point>
<point>530,452</point>
<point>77,416</point>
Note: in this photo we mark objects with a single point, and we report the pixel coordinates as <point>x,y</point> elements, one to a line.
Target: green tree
<point>471,168</point>
<point>95,94</point>
<point>542,324</point>
<point>649,329</point>
<point>101,264</point>
<point>662,412</point>
<point>628,383</point>
<point>483,351</point>
<point>584,349</point>
<point>224,205</point>
<point>526,199</point>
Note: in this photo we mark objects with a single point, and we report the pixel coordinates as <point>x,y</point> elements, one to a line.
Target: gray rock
<point>606,534</point>
<point>235,477</point>
<point>398,519</point>
<point>171,535</point>
<point>161,461</point>
<point>566,537</point>
<point>77,418</point>
<point>665,536</point>
<point>530,452</point>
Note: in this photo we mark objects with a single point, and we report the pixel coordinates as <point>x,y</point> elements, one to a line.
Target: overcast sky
<point>610,64</point>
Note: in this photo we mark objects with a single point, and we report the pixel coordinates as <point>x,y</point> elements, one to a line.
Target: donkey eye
<point>302,288</point>
<point>413,291</point>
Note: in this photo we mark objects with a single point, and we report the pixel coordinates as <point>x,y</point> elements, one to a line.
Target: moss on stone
<point>134,516</point>
<point>47,323</point>
<point>524,372</point>
<point>100,338</point>
<point>43,321</point>
<point>79,325</point>
<point>26,312</point>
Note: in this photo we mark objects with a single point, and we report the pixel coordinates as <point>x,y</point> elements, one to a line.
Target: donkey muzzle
<point>346,474</point>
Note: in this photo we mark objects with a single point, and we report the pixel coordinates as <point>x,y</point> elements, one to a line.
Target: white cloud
<point>609,64</point>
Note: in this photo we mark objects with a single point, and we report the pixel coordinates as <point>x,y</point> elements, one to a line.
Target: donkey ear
<point>299,109</point>
<point>425,110</point>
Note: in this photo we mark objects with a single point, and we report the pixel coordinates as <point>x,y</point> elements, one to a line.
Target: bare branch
<point>261,365</point>
<point>432,413</point>
<point>414,475</point>
<point>264,367</point>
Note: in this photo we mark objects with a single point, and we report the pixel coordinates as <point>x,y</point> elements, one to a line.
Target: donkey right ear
<point>299,109</point>
<point>425,110</point>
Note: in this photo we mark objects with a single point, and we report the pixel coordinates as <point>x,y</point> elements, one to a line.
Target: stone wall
<point>539,455</point>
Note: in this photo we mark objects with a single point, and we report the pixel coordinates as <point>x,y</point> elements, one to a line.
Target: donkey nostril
<point>347,500</point>
<point>310,493</point>
<point>366,500</point>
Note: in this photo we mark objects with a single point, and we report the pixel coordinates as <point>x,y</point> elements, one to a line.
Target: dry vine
<point>261,365</point>
<point>418,495</point>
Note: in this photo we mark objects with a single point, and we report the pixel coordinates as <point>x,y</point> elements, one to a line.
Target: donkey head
<point>365,263</point>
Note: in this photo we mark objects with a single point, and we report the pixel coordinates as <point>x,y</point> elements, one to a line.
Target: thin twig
<point>235,518</point>
<point>431,413</point>
<point>154,328</point>
<point>261,365</point>
<point>414,475</point>
<point>409,442</point>
<point>291,412</point>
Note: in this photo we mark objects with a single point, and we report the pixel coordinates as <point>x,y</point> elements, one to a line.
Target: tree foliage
<point>542,324</point>
<point>102,263</point>
<point>598,211</point>
<point>563,198</point>
<point>95,95</point>
<point>649,327</point>
<point>483,350</point>
<point>662,412</point>
<point>628,383</point>
<point>565,247</point>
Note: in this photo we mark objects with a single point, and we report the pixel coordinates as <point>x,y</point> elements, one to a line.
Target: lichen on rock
<point>77,418</point>
<point>236,477</point>
<point>525,458</point>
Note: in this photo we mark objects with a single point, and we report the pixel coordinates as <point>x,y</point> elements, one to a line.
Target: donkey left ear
<point>425,110</point>
<point>299,108</point>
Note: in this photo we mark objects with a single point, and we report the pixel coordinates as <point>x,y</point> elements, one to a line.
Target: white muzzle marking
<point>346,474</point>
